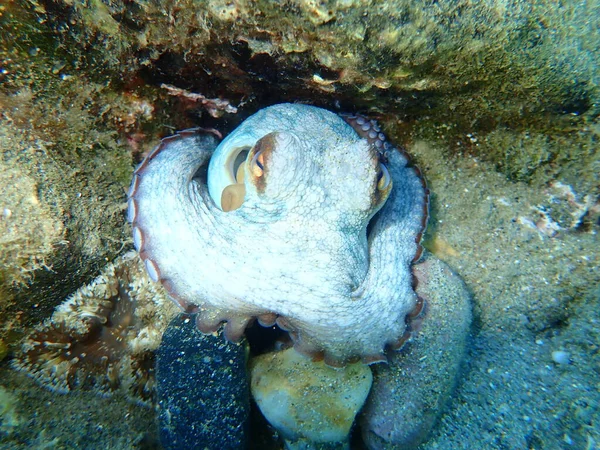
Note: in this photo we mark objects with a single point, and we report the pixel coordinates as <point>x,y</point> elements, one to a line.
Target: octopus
<point>300,217</point>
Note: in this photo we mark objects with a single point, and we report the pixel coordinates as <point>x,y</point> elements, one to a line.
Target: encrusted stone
<point>103,336</point>
<point>308,402</point>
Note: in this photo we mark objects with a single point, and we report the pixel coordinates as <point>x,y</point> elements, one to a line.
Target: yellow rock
<point>307,401</point>
<point>440,248</point>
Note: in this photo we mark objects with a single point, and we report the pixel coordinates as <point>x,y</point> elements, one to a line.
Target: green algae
<point>489,61</point>
<point>64,169</point>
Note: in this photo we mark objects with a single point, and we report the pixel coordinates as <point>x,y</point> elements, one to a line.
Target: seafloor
<point>505,130</point>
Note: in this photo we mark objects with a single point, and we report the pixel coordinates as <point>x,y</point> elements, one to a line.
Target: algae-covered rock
<point>309,403</point>
<point>456,71</point>
<point>61,217</point>
<point>64,169</point>
<point>448,59</point>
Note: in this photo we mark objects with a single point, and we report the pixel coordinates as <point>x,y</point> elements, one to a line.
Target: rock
<point>202,388</point>
<point>561,357</point>
<point>424,55</point>
<point>103,336</point>
<point>410,393</point>
<point>312,405</point>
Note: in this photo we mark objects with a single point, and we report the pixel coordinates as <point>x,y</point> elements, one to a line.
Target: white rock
<point>308,401</point>
<point>561,357</point>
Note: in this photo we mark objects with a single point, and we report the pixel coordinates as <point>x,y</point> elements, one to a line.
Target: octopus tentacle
<point>153,191</point>
<point>370,130</point>
<point>175,223</point>
<point>398,218</point>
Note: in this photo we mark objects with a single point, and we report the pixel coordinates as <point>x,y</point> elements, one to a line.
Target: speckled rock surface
<point>309,403</point>
<point>410,392</point>
<point>203,394</point>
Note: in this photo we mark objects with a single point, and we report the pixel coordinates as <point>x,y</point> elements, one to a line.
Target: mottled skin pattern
<point>296,252</point>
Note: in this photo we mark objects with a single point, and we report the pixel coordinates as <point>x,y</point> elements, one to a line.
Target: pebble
<point>561,357</point>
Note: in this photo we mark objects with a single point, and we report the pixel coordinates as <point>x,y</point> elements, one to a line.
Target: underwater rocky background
<point>497,102</point>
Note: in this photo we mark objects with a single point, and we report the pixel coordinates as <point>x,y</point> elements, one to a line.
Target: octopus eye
<point>383,177</point>
<point>257,164</point>
<point>233,195</point>
<point>239,165</point>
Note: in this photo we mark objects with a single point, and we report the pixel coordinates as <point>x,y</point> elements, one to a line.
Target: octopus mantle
<point>321,237</point>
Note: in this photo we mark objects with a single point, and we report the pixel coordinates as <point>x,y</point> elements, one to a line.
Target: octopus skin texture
<point>300,217</point>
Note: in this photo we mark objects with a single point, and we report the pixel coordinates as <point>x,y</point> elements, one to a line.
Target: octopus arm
<point>168,209</point>
<point>387,296</point>
<point>362,324</point>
